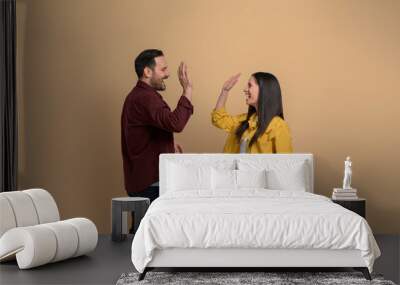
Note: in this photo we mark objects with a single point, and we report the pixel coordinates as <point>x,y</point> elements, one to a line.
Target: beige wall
<point>338,63</point>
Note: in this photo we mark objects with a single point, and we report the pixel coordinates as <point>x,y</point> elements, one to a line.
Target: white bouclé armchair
<point>31,230</point>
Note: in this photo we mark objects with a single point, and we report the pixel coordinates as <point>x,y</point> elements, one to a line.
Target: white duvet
<point>252,218</point>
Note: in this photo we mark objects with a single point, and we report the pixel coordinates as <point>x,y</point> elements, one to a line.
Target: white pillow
<point>292,179</point>
<point>251,178</point>
<point>181,177</point>
<point>223,179</point>
<point>282,174</point>
<point>228,179</point>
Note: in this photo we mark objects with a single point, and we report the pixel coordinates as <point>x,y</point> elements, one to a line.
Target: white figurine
<point>347,174</point>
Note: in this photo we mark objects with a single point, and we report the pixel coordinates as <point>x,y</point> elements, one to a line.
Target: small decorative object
<point>347,174</point>
<point>347,192</point>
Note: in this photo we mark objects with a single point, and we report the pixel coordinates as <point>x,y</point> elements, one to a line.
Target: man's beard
<point>159,85</point>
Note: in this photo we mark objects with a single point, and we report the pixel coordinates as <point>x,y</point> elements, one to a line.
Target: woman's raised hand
<point>225,89</point>
<point>230,82</point>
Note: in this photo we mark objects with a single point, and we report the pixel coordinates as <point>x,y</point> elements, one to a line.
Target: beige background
<point>338,63</point>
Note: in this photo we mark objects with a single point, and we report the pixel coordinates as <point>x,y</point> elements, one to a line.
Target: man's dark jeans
<point>151,192</point>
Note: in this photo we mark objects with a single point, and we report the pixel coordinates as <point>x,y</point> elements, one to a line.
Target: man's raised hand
<point>184,79</point>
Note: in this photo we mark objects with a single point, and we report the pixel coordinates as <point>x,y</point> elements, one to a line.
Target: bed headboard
<point>213,158</point>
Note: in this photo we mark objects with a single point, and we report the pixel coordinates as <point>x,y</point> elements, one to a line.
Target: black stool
<point>120,206</point>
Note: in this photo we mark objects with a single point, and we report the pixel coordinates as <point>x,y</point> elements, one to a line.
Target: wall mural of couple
<point>148,123</point>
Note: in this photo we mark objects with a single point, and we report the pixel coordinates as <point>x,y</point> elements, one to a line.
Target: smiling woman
<point>262,129</point>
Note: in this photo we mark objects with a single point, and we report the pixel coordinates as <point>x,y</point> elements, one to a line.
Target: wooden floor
<point>110,260</point>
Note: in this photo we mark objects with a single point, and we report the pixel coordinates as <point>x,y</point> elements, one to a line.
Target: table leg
<point>124,222</point>
<point>116,231</point>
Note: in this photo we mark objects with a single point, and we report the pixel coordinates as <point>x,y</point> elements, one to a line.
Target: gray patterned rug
<point>243,278</point>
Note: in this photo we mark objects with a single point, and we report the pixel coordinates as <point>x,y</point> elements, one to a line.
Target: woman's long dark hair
<point>269,105</point>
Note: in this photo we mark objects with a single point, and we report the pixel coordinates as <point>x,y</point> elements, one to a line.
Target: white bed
<point>202,220</point>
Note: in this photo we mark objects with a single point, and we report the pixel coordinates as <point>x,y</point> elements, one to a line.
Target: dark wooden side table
<point>358,206</point>
<point>120,207</point>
